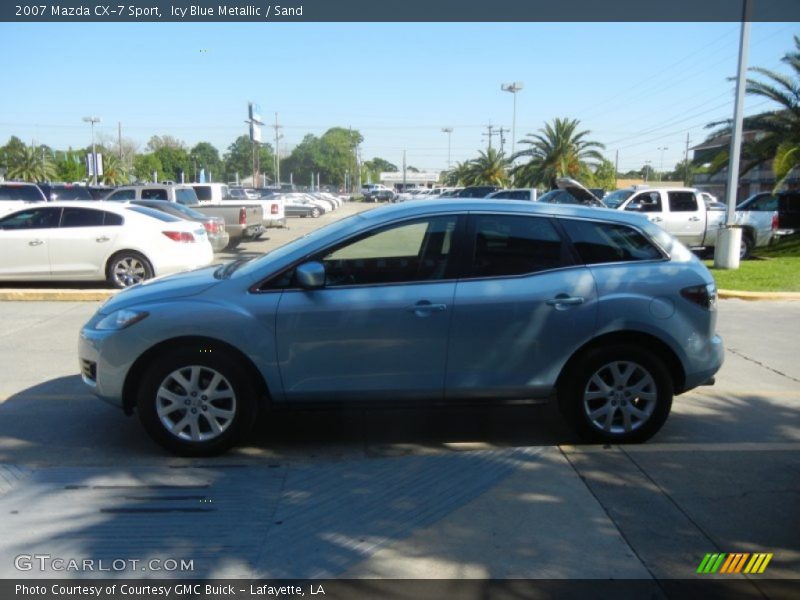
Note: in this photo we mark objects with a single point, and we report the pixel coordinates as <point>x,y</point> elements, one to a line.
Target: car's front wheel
<point>315,212</point>
<point>196,401</point>
<point>745,247</point>
<point>617,394</point>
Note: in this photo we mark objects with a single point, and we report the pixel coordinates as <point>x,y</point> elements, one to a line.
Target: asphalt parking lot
<point>457,493</point>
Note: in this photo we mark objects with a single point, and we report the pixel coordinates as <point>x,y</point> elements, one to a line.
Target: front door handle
<point>562,301</point>
<point>35,243</point>
<point>694,219</point>
<point>656,219</point>
<point>103,239</point>
<point>424,308</point>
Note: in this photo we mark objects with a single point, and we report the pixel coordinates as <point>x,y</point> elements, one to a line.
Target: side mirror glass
<point>311,275</point>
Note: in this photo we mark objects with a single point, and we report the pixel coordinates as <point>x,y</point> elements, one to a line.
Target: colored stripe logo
<point>737,562</point>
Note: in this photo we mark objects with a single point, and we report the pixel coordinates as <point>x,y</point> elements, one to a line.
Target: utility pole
<point>646,169</point>
<point>513,88</point>
<point>277,159</point>
<point>490,131</point>
<point>448,131</point>
<point>729,239</point>
<point>502,138</point>
<point>661,165</point>
<point>686,181</point>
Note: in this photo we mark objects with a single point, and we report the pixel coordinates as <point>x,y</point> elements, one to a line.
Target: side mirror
<point>311,275</point>
<point>634,206</point>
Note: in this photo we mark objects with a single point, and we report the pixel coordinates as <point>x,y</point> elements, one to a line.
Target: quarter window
<point>515,245</point>
<point>609,242</point>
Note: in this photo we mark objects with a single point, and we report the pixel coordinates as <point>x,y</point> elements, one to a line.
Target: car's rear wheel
<point>315,212</point>
<point>745,247</point>
<point>196,401</point>
<point>128,268</point>
<point>617,394</point>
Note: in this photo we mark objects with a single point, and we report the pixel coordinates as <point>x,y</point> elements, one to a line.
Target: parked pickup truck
<point>683,213</point>
<point>241,222</point>
<point>274,214</point>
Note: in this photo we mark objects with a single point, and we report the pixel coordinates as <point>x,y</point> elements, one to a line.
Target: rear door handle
<point>103,239</point>
<point>656,219</point>
<point>563,301</point>
<point>35,243</point>
<point>694,219</point>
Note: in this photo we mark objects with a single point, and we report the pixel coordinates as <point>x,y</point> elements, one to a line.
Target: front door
<point>378,328</point>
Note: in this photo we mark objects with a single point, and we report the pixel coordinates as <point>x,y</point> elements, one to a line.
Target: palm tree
<point>490,168</point>
<point>781,128</point>
<point>29,164</point>
<point>113,170</point>
<point>558,150</point>
<point>458,175</point>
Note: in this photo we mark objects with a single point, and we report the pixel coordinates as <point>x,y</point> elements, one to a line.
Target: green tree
<point>337,154</point>
<point>239,159</point>
<point>157,142</point>
<point>489,168</point>
<point>114,171</point>
<point>205,156</point>
<point>780,141</point>
<point>174,161</point>
<point>144,165</point>
<point>30,164</point>
<point>304,159</point>
<point>70,166</point>
<point>558,150</point>
<point>605,175</point>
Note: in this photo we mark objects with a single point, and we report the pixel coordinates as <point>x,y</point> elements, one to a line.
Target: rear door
<point>686,217</point>
<point>521,308</point>
<point>83,241</point>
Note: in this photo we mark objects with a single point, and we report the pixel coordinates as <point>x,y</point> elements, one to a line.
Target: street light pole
<point>661,166</point>
<point>646,169</point>
<point>93,120</point>
<point>513,88</point>
<point>448,131</point>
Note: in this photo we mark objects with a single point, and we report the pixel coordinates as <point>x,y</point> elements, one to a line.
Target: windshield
<point>615,199</point>
<point>25,193</point>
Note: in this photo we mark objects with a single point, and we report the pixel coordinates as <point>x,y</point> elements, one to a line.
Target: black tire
<point>233,244</point>
<point>160,389</point>
<point>127,268</point>
<point>315,212</point>
<point>584,403</point>
<point>746,247</point>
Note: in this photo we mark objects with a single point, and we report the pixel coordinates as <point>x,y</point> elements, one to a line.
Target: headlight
<point>120,319</point>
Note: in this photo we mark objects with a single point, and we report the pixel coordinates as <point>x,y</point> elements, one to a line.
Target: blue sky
<point>638,87</point>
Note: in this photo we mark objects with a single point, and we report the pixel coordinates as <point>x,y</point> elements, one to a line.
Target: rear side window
<point>185,196</point>
<point>515,245</point>
<point>767,203</point>
<point>682,201</point>
<point>122,195</point>
<point>24,193</point>
<point>203,192</point>
<point>598,243</point>
<point>82,217</point>
<point>154,194</point>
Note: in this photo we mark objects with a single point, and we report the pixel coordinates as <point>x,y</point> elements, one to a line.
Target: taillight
<point>179,236</point>
<point>243,216</point>
<point>273,209</point>
<point>211,226</point>
<point>703,295</point>
<point>774,221</point>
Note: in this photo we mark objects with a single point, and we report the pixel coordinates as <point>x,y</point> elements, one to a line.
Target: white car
<point>119,243</point>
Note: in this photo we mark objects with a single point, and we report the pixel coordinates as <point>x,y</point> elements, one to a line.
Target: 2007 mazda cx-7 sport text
<point>441,301</point>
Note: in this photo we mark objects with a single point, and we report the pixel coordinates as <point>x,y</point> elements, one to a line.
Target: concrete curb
<point>55,295</point>
<point>62,295</point>
<point>740,295</point>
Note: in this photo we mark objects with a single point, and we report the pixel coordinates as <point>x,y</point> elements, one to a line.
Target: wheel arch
<point>645,340</point>
<point>137,370</point>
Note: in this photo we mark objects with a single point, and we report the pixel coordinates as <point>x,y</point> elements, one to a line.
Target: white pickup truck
<point>683,213</point>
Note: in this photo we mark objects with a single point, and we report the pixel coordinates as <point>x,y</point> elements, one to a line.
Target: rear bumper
<point>705,364</point>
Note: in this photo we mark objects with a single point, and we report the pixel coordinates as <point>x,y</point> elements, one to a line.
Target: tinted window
<point>203,192</point>
<point>156,214</point>
<point>35,218</point>
<point>27,193</point>
<point>768,203</point>
<point>646,202</point>
<point>73,192</point>
<point>154,194</point>
<point>415,251</point>
<point>614,199</point>
<point>511,245</point>
<point>185,196</point>
<point>790,203</point>
<point>82,217</point>
<point>113,219</point>
<point>121,195</point>
<point>608,242</point>
<point>682,201</point>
